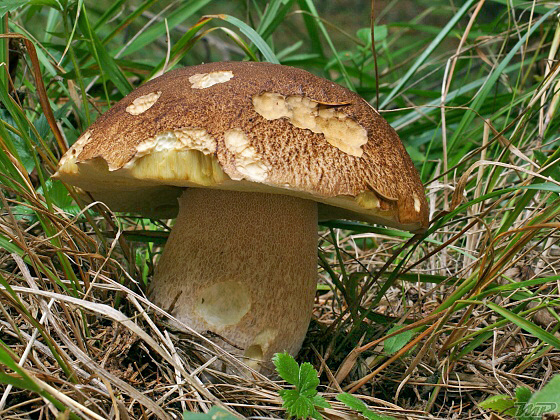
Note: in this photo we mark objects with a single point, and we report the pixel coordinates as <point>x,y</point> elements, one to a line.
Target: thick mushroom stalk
<point>242,266</point>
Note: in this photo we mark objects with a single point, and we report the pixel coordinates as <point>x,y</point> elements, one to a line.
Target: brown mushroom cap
<point>248,126</point>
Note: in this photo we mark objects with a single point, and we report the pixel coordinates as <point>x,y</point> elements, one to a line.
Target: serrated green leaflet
<point>351,401</point>
<point>308,380</point>
<point>319,401</point>
<point>286,367</point>
<point>296,404</point>
<point>301,401</point>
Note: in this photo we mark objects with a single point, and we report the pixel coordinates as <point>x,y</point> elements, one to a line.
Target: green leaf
<point>359,406</point>
<point>296,404</point>
<point>308,380</point>
<point>302,401</point>
<point>316,415</point>
<point>492,79</point>
<point>500,403</point>
<point>351,401</point>
<point>25,381</point>
<point>311,25</point>
<point>523,394</point>
<point>364,34</point>
<point>286,367</point>
<point>308,6</point>
<point>319,401</point>
<point>547,400</point>
<point>364,228</point>
<point>394,344</point>
<point>4,48</point>
<point>58,193</point>
<point>542,159</point>
<point>25,157</point>
<point>215,413</point>
<point>146,236</point>
<point>273,16</point>
<point>11,5</point>
<point>181,47</point>
<point>522,5</point>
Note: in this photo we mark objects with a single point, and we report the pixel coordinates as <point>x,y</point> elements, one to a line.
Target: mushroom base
<point>242,266</point>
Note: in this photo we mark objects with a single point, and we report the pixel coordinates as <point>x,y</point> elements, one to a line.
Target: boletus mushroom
<point>248,156</point>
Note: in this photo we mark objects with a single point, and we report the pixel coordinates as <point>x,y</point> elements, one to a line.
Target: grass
<point>413,326</point>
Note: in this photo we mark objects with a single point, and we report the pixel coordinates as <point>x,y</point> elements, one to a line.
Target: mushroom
<point>248,156</point>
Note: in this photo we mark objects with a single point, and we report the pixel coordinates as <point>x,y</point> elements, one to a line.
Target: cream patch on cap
<point>67,163</point>
<point>143,103</point>
<point>247,162</point>
<point>181,139</point>
<point>205,80</point>
<point>339,130</point>
<point>417,204</point>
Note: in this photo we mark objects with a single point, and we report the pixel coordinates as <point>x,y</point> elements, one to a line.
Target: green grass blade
<point>427,52</point>
<point>112,10</point>
<point>4,49</point>
<point>274,15</point>
<point>25,381</point>
<point>181,47</point>
<point>107,64</point>
<point>526,325</point>
<point>178,16</point>
<point>310,7</point>
<point>480,98</point>
<point>127,21</point>
<point>312,27</point>
<point>253,36</point>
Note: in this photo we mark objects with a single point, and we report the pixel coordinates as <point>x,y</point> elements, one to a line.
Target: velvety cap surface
<point>250,127</point>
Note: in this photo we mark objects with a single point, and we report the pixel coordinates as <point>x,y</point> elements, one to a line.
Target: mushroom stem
<point>242,266</point>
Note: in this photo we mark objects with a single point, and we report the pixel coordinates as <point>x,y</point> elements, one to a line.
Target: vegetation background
<point>416,327</point>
